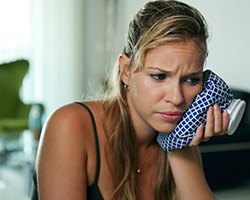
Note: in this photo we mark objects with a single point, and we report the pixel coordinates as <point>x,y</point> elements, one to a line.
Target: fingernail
<point>226,113</point>
<point>216,107</point>
<point>210,109</point>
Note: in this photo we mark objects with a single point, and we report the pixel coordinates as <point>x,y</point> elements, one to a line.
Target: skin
<point>169,81</point>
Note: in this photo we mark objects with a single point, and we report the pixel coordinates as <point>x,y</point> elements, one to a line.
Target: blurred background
<point>69,46</point>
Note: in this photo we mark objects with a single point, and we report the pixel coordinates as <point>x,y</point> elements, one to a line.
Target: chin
<point>167,129</point>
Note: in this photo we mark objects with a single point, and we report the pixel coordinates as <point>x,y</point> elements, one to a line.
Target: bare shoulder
<point>67,116</point>
<point>66,151</point>
<point>71,122</point>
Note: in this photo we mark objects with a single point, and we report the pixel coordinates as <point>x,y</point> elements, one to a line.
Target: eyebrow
<point>159,69</point>
<point>168,72</point>
<point>194,73</point>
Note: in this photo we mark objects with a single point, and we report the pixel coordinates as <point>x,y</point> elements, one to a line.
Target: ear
<point>124,69</point>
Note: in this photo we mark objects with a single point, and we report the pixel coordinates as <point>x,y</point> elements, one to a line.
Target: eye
<point>159,76</point>
<point>193,80</point>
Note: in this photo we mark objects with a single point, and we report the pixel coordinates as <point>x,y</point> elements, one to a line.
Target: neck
<point>145,154</point>
<point>144,133</point>
<point>145,140</point>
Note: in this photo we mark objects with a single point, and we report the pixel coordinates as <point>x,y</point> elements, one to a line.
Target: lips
<point>171,116</point>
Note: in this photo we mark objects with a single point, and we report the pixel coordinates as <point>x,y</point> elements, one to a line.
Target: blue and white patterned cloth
<point>215,90</point>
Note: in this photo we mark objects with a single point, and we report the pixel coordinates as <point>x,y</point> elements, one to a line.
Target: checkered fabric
<point>214,90</point>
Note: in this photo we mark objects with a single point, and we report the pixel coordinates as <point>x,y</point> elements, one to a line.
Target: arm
<point>61,160</point>
<point>188,174</point>
<point>186,163</point>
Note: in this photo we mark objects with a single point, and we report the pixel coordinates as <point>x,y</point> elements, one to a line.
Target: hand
<point>217,124</point>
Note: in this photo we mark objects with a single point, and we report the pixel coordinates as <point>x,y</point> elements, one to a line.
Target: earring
<point>125,86</point>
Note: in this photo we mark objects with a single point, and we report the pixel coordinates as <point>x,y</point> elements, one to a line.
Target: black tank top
<point>93,192</point>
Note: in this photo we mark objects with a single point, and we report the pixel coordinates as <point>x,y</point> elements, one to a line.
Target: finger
<point>218,122</point>
<point>198,136</point>
<point>209,130</point>
<point>226,120</point>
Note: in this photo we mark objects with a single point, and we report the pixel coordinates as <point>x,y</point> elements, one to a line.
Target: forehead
<point>176,53</point>
<point>187,45</point>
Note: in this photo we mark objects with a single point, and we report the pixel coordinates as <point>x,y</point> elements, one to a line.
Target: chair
<point>16,142</point>
<point>14,113</point>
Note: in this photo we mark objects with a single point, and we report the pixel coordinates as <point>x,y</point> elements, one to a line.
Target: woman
<point>106,149</point>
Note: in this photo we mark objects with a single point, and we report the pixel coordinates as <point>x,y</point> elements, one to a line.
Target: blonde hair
<point>157,23</point>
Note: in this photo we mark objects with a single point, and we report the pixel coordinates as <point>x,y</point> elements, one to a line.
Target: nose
<point>175,94</point>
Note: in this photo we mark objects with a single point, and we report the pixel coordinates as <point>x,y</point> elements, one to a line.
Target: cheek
<point>144,93</point>
<point>191,93</point>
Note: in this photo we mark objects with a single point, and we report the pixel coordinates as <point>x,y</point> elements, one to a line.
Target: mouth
<point>171,116</point>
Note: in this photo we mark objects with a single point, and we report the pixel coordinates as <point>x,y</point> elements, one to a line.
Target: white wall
<point>229,45</point>
<point>95,48</point>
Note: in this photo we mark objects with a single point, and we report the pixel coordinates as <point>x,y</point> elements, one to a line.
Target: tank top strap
<point>96,142</point>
